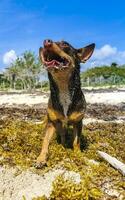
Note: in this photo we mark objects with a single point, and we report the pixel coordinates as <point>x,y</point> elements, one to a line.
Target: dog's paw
<point>40,165</point>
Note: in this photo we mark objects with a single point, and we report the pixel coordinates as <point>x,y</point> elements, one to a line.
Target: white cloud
<point>9,57</point>
<point>122,54</point>
<point>104,52</point>
<point>105,56</point>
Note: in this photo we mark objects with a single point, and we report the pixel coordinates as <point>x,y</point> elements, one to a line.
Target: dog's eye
<point>64,44</point>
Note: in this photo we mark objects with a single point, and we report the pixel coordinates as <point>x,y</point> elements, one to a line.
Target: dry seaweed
<point>20,144</point>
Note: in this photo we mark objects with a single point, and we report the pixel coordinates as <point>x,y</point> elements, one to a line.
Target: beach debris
<point>113,161</point>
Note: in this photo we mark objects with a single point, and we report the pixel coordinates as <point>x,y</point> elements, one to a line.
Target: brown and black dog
<point>67,103</point>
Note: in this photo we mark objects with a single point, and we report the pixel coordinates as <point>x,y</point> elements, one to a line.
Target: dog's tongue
<point>53,63</point>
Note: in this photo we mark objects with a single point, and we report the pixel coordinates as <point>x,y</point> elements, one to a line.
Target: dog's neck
<point>64,94</point>
<point>64,90</point>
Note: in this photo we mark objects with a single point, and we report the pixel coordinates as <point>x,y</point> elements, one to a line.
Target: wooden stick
<point>113,161</point>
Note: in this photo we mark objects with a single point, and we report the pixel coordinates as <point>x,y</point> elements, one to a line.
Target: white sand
<point>18,99</point>
<point>14,186</point>
<point>87,121</point>
<point>112,98</point>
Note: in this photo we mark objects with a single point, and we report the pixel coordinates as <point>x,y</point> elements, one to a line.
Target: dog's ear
<point>85,53</point>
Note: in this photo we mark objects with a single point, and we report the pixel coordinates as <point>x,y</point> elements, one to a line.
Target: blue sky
<point>24,24</point>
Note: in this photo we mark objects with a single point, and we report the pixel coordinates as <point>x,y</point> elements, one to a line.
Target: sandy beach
<point>105,108</point>
<point>108,97</point>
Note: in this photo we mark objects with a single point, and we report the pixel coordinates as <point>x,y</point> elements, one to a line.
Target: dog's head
<point>61,56</point>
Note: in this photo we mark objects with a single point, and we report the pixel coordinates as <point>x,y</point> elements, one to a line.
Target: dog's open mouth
<point>53,60</point>
<point>53,57</point>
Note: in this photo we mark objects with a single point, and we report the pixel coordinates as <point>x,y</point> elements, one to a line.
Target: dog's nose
<point>47,43</point>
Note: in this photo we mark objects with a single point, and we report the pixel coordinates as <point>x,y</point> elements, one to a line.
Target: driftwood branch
<point>113,161</point>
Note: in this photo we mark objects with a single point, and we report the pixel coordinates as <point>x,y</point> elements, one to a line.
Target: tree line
<point>102,75</point>
<point>24,73</point>
<point>27,73</point>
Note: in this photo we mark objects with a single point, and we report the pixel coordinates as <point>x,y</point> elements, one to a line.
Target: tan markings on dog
<point>76,142</point>
<point>62,78</point>
<point>61,53</point>
<point>50,129</point>
<point>54,115</point>
<point>76,116</point>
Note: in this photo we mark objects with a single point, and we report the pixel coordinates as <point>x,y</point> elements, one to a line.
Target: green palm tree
<point>27,69</point>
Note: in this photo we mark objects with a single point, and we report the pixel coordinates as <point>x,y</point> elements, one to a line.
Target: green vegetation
<point>24,73</point>
<point>28,73</point>
<point>20,144</point>
<point>104,75</point>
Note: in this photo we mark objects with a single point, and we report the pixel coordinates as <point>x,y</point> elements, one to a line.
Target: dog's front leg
<point>61,130</point>
<point>42,159</point>
<point>77,129</point>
